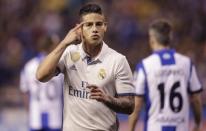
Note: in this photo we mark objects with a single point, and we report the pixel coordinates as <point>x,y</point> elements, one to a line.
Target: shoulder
<point>150,60</point>
<point>71,48</point>
<point>119,60</point>
<point>32,62</point>
<point>183,59</point>
<point>116,60</point>
<point>181,56</point>
<point>114,54</point>
<point>30,66</point>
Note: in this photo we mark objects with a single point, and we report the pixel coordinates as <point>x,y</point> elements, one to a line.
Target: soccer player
<point>168,81</point>
<point>45,99</point>
<point>98,80</point>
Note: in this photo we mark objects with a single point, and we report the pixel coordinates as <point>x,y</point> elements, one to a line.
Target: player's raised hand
<point>73,35</point>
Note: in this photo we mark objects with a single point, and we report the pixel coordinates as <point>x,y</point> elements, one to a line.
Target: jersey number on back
<point>173,95</point>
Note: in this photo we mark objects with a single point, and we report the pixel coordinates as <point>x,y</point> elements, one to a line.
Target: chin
<point>95,42</point>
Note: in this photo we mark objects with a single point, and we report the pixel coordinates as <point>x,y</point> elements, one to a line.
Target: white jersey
<point>166,78</point>
<point>45,105</point>
<point>109,70</point>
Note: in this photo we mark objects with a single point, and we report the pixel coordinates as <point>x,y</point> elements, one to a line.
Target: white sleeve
<point>139,80</point>
<point>123,78</point>
<point>24,86</point>
<point>65,60</point>
<point>194,83</point>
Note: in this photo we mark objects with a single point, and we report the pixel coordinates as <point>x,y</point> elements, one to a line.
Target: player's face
<point>93,28</point>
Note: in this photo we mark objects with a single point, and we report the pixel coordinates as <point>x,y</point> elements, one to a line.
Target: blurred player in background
<point>98,80</point>
<point>168,82</point>
<point>45,99</point>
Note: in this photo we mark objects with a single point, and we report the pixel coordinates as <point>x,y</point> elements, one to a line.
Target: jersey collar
<point>99,57</point>
<point>162,51</point>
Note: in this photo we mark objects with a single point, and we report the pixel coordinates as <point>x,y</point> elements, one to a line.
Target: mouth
<point>95,37</point>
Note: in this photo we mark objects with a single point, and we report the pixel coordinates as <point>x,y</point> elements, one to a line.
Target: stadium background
<point>22,22</point>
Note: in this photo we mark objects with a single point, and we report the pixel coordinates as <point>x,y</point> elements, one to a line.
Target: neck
<point>92,50</point>
<point>157,47</point>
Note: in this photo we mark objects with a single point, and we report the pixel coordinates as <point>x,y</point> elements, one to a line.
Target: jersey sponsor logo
<point>81,93</point>
<point>78,93</point>
<point>102,74</point>
<point>75,56</point>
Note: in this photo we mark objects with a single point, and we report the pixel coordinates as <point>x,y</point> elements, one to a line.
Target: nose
<point>94,29</point>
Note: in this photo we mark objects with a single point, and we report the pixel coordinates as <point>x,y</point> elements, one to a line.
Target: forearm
<point>132,119</point>
<point>123,104</point>
<point>47,69</point>
<point>197,108</point>
<point>48,66</point>
<point>135,114</point>
<point>197,115</point>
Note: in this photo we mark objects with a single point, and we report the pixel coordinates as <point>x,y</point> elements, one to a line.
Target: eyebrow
<point>93,22</point>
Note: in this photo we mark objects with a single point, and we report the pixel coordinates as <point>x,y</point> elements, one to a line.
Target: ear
<point>105,27</point>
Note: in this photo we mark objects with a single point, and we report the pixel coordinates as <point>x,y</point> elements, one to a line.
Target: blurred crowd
<point>23,22</point>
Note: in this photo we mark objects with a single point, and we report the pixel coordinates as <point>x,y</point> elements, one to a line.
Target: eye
<point>88,24</point>
<point>99,24</point>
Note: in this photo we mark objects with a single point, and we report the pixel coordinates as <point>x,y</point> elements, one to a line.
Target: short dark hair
<point>162,30</point>
<point>90,8</point>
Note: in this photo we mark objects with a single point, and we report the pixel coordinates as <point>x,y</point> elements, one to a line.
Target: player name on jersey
<point>167,72</point>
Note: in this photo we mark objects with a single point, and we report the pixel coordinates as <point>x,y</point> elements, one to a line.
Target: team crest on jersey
<point>75,56</point>
<point>102,74</point>
<point>166,56</point>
